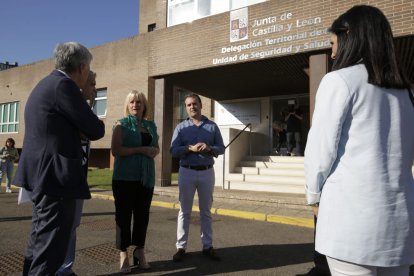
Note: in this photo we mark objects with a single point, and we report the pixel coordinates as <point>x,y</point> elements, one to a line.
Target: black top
<point>146,138</point>
<point>293,124</point>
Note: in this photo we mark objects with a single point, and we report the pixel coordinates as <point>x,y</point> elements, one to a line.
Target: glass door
<point>280,108</point>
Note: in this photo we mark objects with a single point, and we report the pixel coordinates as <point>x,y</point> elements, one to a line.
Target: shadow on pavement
<point>235,259</point>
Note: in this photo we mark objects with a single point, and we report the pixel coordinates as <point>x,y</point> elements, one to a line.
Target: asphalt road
<point>247,247</point>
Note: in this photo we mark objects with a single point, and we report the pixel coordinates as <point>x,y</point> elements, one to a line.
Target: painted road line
<point>100,196</point>
<point>241,214</point>
<point>301,222</point>
<point>170,205</point>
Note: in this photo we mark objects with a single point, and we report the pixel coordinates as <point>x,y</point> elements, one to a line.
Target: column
<point>318,67</point>
<point>163,117</point>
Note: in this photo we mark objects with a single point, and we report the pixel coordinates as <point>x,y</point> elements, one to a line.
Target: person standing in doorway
<point>8,155</point>
<point>293,129</point>
<point>89,94</point>
<point>50,166</point>
<point>196,141</point>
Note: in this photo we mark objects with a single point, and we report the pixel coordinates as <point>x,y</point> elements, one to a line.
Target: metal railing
<point>232,140</point>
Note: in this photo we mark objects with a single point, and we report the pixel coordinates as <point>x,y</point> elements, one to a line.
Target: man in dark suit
<point>51,162</point>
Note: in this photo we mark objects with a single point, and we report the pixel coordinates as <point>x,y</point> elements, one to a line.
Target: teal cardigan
<point>136,167</point>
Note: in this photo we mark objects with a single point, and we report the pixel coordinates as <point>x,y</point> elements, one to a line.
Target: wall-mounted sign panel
<point>237,113</point>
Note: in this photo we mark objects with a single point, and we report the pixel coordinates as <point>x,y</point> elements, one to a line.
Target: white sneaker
<point>8,190</point>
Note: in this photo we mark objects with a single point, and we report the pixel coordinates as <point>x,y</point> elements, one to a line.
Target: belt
<point>197,168</point>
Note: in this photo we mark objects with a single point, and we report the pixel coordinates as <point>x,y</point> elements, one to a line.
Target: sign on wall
<point>270,36</point>
<point>239,20</point>
<point>237,113</point>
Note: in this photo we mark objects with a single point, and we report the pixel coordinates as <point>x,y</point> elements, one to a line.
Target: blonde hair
<point>135,95</point>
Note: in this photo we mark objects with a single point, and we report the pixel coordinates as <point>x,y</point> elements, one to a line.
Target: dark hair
<point>11,140</point>
<point>364,36</point>
<point>193,95</point>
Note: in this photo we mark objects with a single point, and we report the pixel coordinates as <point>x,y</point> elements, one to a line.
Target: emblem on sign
<point>239,20</point>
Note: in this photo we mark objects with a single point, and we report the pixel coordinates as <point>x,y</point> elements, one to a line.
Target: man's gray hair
<point>70,55</point>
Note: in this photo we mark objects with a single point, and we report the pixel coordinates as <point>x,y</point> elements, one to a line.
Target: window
<point>152,27</point>
<point>181,11</point>
<point>9,117</point>
<point>99,107</point>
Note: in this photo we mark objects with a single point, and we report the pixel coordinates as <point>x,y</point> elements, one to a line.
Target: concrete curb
<point>295,221</point>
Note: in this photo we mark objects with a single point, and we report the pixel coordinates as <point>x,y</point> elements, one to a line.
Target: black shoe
<point>139,259</point>
<point>179,255</point>
<point>315,272</point>
<point>211,253</point>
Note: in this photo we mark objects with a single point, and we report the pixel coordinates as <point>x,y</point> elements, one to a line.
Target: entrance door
<point>280,107</point>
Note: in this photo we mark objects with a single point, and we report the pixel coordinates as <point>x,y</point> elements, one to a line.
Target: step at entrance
<point>280,174</point>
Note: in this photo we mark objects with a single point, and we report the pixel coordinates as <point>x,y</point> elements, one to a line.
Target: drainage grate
<point>11,262</point>
<point>106,253</point>
<point>100,225</point>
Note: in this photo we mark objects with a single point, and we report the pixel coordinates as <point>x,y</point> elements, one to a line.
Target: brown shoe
<point>179,255</point>
<point>211,253</point>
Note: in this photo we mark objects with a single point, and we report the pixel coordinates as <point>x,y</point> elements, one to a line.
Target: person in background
<point>196,141</point>
<point>50,166</point>
<point>8,155</point>
<point>279,128</point>
<point>360,151</point>
<point>89,94</point>
<point>293,121</point>
<point>134,146</point>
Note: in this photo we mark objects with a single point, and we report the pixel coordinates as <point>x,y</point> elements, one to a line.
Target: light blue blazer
<point>358,160</point>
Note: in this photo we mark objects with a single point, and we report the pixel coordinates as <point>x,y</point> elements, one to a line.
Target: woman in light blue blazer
<point>360,151</point>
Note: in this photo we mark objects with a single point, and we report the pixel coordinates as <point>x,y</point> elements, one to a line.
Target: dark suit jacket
<point>51,159</point>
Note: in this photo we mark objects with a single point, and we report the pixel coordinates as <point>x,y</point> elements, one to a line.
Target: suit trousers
<point>66,268</point>
<point>190,181</point>
<point>132,199</point>
<point>52,224</point>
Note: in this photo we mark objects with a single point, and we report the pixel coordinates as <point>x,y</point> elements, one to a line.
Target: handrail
<point>224,154</point>
<point>238,134</point>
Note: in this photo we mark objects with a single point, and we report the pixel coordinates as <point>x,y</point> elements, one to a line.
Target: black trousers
<point>321,264</point>
<point>52,223</point>
<point>132,200</point>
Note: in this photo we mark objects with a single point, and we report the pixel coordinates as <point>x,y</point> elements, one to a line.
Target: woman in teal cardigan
<point>134,146</point>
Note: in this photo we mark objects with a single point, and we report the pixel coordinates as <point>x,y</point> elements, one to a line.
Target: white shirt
<point>358,161</point>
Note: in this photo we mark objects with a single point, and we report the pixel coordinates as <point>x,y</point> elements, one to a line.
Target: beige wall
<point>16,85</point>
<point>152,11</point>
<point>121,67</point>
<point>194,45</point>
<point>129,63</point>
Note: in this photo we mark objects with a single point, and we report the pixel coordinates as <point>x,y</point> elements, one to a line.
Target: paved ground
<point>246,232</point>
<point>255,234</point>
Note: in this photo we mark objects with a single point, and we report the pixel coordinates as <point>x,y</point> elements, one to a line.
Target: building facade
<point>249,59</point>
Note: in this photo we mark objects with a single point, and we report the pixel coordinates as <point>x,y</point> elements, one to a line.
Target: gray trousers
<point>290,136</point>
<point>190,181</point>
